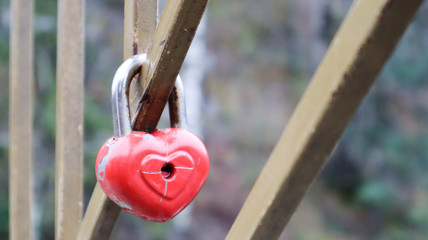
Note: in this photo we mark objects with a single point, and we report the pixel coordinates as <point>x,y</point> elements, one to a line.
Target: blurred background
<point>244,74</point>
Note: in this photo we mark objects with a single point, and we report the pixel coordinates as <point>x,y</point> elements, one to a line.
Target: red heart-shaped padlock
<point>153,176</point>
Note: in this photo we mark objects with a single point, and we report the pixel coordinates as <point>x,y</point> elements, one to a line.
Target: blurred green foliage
<point>4,201</point>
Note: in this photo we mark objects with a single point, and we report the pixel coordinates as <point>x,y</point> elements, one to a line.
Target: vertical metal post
<point>69,119</point>
<point>139,27</point>
<point>21,119</point>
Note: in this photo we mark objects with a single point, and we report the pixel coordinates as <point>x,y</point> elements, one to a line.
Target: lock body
<point>153,175</point>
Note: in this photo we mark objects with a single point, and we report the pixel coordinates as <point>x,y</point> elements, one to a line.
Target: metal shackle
<point>119,97</point>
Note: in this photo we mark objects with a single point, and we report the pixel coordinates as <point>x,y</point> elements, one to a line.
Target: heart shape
<point>153,176</point>
<point>172,171</point>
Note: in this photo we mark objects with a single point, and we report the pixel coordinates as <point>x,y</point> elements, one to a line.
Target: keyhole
<point>167,170</point>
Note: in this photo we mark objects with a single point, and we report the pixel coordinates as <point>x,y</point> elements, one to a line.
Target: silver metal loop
<point>120,91</point>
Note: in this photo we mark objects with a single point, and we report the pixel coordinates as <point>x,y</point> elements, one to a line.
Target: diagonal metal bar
<point>21,119</point>
<point>100,217</point>
<point>171,42</point>
<point>356,56</point>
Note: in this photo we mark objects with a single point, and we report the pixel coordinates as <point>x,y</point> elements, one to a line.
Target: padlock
<point>151,175</point>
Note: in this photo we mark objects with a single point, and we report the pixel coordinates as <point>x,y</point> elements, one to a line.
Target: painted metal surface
<point>69,119</point>
<point>171,41</point>
<point>21,119</point>
<point>141,18</point>
<point>357,54</point>
<point>155,175</point>
<point>100,217</point>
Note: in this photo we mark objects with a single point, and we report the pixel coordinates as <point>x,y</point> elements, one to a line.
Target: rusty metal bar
<point>140,20</point>
<point>69,119</point>
<point>21,119</point>
<point>356,56</point>
<point>171,41</point>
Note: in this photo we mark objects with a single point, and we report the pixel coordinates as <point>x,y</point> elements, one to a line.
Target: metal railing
<point>357,54</point>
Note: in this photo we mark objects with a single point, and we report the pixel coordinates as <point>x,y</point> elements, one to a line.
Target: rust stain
<point>147,75</point>
<point>387,7</point>
<point>173,107</point>
<point>134,48</point>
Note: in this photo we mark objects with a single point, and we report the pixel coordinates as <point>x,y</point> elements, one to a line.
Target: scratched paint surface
<point>180,164</point>
<point>102,166</point>
<point>153,176</point>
